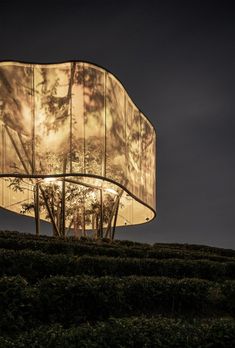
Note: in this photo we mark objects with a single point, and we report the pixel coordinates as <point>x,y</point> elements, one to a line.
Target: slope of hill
<point>57,293</point>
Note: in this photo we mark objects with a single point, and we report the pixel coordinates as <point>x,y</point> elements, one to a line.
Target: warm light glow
<point>46,180</point>
<point>110,190</point>
<point>76,123</point>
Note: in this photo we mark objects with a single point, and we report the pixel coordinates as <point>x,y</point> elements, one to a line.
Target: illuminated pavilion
<point>74,149</point>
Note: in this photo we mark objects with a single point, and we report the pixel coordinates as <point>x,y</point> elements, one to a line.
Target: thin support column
<point>49,211</point>
<point>36,209</point>
<point>62,232</point>
<point>63,208</point>
<point>115,218</point>
<point>101,214</point>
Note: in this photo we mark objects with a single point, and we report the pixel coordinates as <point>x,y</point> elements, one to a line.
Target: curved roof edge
<point>86,62</point>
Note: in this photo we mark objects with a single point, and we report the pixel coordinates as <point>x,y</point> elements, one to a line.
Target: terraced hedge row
<point>73,300</point>
<point>127,243</point>
<point>74,247</point>
<point>132,333</point>
<point>34,265</point>
<point>65,293</point>
<point>198,247</point>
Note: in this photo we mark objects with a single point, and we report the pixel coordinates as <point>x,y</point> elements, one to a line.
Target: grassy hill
<point>57,293</point>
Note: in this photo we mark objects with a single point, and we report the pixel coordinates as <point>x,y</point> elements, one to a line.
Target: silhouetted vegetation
<point>70,293</point>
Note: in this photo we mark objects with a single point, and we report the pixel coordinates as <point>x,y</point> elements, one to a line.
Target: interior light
<point>49,179</point>
<point>87,171</point>
<point>110,190</point>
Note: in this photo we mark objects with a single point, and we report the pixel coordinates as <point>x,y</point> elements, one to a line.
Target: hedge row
<point>204,249</point>
<point>70,301</point>
<point>79,248</point>
<point>132,333</point>
<point>197,247</point>
<point>34,265</point>
<point>130,244</point>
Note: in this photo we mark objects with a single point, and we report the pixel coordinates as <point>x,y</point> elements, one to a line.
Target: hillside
<point>57,293</point>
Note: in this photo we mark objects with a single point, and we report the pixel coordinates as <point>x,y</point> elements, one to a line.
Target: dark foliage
<point>70,293</point>
<point>52,245</point>
<point>34,265</point>
<point>73,300</point>
<point>132,333</point>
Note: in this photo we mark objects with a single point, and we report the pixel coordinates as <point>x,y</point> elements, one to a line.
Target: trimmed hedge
<point>132,333</point>
<point>74,247</point>
<point>68,290</point>
<point>72,300</point>
<point>198,247</point>
<point>125,243</point>
<point>17,305</point>
<point>34,265</point>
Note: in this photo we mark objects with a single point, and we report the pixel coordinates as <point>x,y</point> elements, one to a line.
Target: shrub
<point>72,300</point>
<point>52,245</point>
<point>132,333</point>
<point>35,265</point>
<point>17,305</point>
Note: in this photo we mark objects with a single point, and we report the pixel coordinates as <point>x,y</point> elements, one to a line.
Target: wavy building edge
<point>135,197</point>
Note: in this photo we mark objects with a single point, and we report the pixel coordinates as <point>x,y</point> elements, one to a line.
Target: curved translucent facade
<point>74,125</point>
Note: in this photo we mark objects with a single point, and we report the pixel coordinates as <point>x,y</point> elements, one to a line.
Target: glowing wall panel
<point>74,120</point>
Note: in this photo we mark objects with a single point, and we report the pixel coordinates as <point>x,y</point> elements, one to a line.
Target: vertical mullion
<point>3,162</point>
<point>33,120</point>
<point>140,163</point>
<point>84,140</point>
<point>71,116</point>
<point>105,135</point>
<point>126,164</point>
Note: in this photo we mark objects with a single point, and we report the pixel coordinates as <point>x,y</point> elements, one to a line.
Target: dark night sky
<point>175,59</point>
